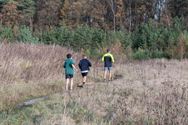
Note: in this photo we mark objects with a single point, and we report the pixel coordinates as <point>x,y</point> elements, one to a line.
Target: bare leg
<point>105,73</point>
<point>84,79</point>
<point>67,84</point>
<point>110,76</point>
<point>71,80</point>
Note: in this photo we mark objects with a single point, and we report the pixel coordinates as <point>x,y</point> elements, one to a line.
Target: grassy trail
<point>150,92</point>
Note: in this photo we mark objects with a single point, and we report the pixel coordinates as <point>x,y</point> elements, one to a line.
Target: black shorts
<point>68,76</point>
<point>84,74</point>
<point>107,68</point>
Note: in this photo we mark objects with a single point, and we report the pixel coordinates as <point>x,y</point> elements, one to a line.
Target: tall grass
<point>28,70</point>
<point>56,110</point>
<point>150,92</point>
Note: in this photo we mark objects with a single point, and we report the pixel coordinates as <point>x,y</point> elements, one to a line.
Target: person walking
<point>69,66</point>
<point>84,66</point>
<point>108,59</point>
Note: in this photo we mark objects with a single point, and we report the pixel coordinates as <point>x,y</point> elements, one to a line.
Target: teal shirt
<point>68,66</point>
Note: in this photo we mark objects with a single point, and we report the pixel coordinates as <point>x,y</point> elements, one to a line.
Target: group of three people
<point>84,66</point>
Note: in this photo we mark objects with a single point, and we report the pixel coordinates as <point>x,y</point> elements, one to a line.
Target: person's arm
<point>74,67</point>
<point>64,65</point>
<point>89,63</point>
<point>112,58</point>
<point>103,58</point>
<point>79,65</point>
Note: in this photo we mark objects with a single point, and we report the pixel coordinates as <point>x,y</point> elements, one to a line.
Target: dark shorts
<point>84,74</point>
<point>107,68</point>
<point>68,76</point>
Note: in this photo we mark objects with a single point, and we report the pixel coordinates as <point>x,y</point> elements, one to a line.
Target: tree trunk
<point>130,15</point>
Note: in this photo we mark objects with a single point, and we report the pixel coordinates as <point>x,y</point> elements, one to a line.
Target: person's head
<point>84,56</point>
<point>69,55</point>
<point>108,50</point>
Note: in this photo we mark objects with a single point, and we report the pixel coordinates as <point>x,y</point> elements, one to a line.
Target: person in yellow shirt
<point>108,60</point>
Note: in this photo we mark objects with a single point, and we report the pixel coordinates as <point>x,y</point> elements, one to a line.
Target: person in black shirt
<point>84,66</point>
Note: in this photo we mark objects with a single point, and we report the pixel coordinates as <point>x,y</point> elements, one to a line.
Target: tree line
<point>105,14</point>
<point>141,29</point>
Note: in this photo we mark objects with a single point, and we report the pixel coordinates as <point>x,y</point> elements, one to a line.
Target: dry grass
<point>153,92</point>
<point>31,62</point>
<point>28,70</point>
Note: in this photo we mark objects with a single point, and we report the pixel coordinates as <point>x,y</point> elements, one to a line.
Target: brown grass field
<point>152,92</point>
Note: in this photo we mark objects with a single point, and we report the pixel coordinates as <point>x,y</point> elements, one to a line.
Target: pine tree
<point>27,9</point>
<point>179,8</point>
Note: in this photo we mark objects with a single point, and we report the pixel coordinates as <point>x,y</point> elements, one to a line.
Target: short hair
<point>108,50</point>
<point>69,55</point>
<point>84,56</point>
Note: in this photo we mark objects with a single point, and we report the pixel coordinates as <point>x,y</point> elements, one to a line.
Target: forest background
<point>141,29</point>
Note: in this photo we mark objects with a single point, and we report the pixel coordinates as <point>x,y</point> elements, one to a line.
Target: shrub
<point>123,36</point>
<point>141,54</point>
<point>26,36</point>
<point>151,40</point>
<point>61,36</point>
<point>159,40</point>
<point>6,33</point>
<point>186,43</point>
<point>82,37</point>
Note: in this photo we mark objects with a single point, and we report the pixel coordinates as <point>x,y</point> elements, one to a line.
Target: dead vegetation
<point>153,92</point>
<point>28,70</point>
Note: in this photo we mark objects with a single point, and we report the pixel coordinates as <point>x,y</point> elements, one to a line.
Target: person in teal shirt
<point>69,66</point>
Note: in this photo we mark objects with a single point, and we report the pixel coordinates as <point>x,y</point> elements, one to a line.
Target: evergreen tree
<point>179,8</point>
<point>27,9</point>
